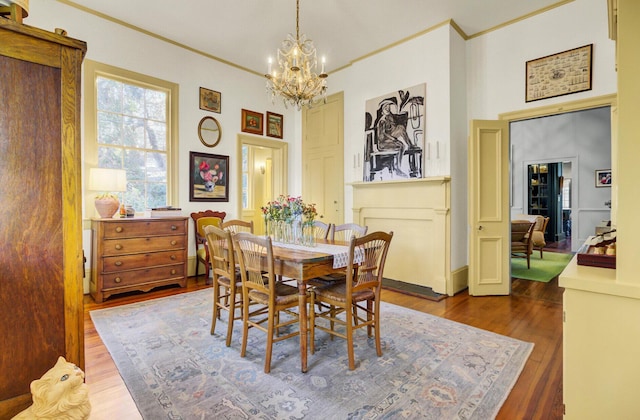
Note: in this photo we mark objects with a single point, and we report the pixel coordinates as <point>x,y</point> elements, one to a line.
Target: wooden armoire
<point>41,260</point>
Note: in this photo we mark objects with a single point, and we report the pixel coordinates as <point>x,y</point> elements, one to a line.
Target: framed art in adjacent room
<point>603,178</point>
<point>252,122</point>
<point>558,74</point>
<point>210,100</point>
<point>274,125</point>
<point>208,177</point>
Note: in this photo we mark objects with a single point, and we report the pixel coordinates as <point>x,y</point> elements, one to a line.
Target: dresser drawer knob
<point>118,247</point>
<point>173,257</point>
<point>119,229</point>
<point>173,271</point>
<point>174,227</point>
<point>118,280</point>
<point>173,242</point>
<point>118,263</point>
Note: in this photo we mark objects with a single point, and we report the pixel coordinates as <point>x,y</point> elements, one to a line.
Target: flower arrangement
<point>287,209</point>
<point>289,220</point>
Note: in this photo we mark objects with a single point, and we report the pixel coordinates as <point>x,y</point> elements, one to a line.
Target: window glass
<point>132,135</point>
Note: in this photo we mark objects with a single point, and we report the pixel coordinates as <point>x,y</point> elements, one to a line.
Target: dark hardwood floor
<point>532,313</point>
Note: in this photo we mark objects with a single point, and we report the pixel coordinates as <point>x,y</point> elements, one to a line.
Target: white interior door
<point>489,230</point>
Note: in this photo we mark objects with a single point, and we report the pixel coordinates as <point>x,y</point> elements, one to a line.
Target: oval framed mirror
<point>209,131</point>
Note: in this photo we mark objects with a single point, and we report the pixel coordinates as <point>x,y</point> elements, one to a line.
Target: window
<point>131,119</point>
<point>245,177</point>
<point>566,193</point>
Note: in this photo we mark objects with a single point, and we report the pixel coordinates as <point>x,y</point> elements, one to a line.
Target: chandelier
<point>295,80</point>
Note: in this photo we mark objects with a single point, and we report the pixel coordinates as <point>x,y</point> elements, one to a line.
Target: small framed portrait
<point>208,177</point>
<point>210,100</point>
<point>603,178</point>
<point>274,125</point>
<point>252,122</point>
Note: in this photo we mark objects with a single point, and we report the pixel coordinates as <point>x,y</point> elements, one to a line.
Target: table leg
<point>302,303</point>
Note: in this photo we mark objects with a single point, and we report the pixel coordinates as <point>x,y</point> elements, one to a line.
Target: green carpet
<point>542,270</point>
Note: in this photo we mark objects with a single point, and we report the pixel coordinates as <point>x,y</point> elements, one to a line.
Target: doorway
<point>543,150</point>
<point>262,175</point>
<point>500,266</point>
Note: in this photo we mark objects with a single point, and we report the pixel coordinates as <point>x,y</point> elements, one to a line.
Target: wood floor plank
<point>533,313</point>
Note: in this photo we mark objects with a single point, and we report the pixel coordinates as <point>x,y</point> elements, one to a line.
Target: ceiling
<point>246,32</point>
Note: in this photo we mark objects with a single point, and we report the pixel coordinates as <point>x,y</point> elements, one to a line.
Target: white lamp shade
<point>107,180</point>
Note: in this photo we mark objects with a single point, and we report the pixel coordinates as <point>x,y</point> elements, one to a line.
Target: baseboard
<point>459,279</point>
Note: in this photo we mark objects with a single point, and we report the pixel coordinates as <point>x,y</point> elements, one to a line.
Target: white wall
<point>424,59</point>
<point>496,61</point>
<point>119,46</point>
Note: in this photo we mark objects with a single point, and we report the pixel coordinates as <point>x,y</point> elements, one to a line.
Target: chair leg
<point>245,323</point>
<point>376,326</point>
<point>312,323</point>
<point>540,252</point>
<point>369,317</point>
<point>349,319</point>
<point>216,310</point>
<point>232,315</point>
<point>270,332</point>
<point>528,262</point>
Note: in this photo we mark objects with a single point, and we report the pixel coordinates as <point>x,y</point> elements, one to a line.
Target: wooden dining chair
<point>227,281</point>
<point>355,303</point>
<point>342,232</point>
<point>521,243</point>
<point>321,229</point>
<point>237,226</point>
<point>264,299</point>
<point>199,237</point>
<point>345,231</point>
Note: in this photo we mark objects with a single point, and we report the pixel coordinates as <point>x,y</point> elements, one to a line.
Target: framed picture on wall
<point>558,74</point>
<point>603,178</point>
<point>210,100</point>
<point>252,122</point>
<point>274,125</point>
<point>208,177</point>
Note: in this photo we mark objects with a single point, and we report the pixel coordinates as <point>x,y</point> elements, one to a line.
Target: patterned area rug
<point>431,367</point>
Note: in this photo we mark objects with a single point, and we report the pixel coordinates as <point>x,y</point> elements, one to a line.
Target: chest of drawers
<point>137,254</point>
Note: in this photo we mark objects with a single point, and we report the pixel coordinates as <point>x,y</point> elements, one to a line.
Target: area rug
<point>431,367</point>
<point>543,270</point>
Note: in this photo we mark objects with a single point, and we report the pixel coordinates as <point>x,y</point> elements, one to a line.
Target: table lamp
<point>107,181</point>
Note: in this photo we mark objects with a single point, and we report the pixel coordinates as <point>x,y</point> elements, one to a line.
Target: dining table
<point>304,263</point>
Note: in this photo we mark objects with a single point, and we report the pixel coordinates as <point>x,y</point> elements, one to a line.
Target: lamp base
<point>107,206</point>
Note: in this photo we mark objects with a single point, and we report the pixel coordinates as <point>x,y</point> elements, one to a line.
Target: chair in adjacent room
<point>355,303</point>
<point>344,231</point>
<point>201,219</point>
<point>227,281</point>
<point>521,243</point>
<point>537,235</point>
<point>268,305</point>
<point>237,226</point>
